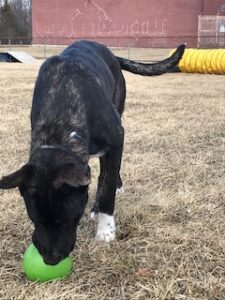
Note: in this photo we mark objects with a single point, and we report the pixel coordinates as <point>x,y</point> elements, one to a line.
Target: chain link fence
<point>146,49</point>
<point>211,31</point>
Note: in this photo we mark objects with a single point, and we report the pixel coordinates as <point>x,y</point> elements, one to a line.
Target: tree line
<point>15,21</point>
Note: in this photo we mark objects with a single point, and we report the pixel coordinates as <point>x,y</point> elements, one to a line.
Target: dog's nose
<point>52,258</point>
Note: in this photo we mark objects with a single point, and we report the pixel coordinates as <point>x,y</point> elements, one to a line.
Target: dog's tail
<point>155,68</point>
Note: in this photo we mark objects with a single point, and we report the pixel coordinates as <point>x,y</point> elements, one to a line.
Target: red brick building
<point>142,23</point>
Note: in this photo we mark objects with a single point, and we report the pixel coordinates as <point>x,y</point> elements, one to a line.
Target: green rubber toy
<point>37,270</point>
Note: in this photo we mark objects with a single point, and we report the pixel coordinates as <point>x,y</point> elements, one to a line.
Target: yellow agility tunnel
<point>203,61</point>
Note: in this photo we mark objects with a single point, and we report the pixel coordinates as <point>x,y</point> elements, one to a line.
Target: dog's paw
<point>106,228</point>
<point>105,235</point>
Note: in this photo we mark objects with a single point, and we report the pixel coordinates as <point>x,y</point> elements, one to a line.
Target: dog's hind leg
<point>119,186</point>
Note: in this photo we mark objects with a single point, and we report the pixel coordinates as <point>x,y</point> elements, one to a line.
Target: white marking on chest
<point>73,134</point>
<point>106,228</point>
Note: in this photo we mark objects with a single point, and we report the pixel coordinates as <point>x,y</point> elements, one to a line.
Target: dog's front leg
<point>110,167</point>
<point>119,189</point>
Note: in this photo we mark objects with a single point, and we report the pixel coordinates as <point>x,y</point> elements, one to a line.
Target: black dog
<point>76,113</point>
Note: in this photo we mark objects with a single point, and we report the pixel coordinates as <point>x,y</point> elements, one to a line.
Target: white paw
<point>93,215</point>
<point>120,190</point>
<point>106,228</point>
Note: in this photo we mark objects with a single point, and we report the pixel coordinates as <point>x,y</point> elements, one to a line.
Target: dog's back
<point>76,87</point>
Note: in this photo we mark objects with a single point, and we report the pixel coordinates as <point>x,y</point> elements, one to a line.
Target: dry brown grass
<point>170,220</point>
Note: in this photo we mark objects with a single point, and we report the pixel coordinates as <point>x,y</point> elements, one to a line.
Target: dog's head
<point>54,186</point>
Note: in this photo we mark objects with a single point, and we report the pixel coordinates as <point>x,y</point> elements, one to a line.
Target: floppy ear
<point>15,179</point>
<point>72,176</point>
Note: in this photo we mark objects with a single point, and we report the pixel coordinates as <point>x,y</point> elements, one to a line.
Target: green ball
<point>37,270</point>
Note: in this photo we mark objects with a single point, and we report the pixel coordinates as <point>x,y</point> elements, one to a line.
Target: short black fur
<point>76,112</point>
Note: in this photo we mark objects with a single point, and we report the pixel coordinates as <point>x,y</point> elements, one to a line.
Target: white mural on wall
<point>103,27</point>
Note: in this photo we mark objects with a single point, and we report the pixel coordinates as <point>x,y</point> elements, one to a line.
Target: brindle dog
<point>76,113</point>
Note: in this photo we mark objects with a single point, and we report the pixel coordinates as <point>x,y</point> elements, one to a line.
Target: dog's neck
<point>71,140</point>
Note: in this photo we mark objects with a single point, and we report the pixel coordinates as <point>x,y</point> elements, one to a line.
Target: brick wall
<point>138,23</point>
<point>213,7</point>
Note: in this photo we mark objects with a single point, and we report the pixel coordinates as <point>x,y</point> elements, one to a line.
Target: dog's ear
<point>72,175</point>
<point>15,179</point>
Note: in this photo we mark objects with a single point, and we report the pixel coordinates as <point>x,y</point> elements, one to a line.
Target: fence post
<point>128,49</point>
<point>45,49</point>
<point>199,30</point>
<point>9,43</point>
<point>217,29</point>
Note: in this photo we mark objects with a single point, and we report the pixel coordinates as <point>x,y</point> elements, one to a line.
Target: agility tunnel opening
<point>202,61</point>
